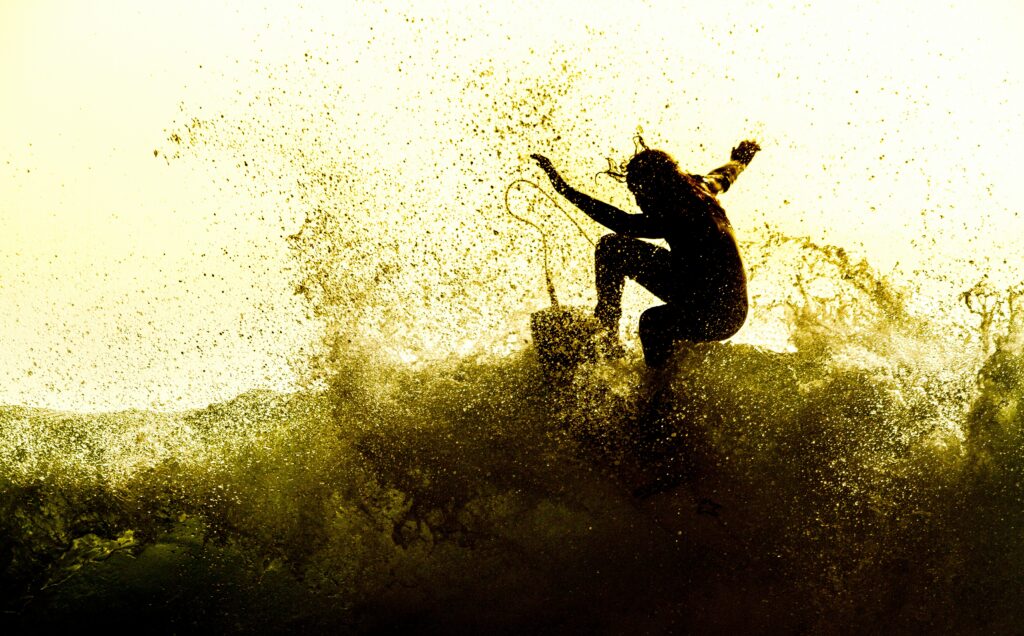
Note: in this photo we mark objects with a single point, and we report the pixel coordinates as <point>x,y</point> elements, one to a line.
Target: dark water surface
<point>787,492</point>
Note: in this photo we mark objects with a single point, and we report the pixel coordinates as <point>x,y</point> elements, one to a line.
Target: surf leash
<point>543,235</point>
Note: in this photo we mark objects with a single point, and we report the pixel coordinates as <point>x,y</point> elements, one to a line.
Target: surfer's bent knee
<point>695,325</point>
<point>608,240</point>
<point>610,243</point>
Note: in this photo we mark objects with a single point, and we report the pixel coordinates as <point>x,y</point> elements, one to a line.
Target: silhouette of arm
<point>719,179</point>
<point>637,225</point>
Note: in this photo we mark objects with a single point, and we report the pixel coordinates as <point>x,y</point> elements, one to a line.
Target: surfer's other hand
<point>543,162</point>
<point>556,179</point>
<point>745,151</point>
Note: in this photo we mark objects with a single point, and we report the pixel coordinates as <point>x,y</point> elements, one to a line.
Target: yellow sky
<point>130,280</point>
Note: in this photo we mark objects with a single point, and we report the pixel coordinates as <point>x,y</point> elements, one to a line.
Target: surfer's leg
<point>659,327</point>
<point>618,257</point>
<point>663,326</point>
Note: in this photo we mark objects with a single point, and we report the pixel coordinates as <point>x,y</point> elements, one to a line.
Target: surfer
<point>700,277</point>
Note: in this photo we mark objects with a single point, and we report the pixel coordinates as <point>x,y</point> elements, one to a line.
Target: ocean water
<point>865,478</point>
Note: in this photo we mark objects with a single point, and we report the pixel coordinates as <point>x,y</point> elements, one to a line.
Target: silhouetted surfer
<point>700,278</point>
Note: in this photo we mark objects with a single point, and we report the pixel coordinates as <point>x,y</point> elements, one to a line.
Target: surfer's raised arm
<point>636,225</point>
<point>719,179</point>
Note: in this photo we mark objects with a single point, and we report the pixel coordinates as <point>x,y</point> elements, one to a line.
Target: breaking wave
<point>851,465</point>
<point>864,478</point>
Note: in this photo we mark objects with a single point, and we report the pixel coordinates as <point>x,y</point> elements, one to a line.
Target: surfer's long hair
<point>658,176</point>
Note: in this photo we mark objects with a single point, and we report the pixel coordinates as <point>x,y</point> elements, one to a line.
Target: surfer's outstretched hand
<point>546,166</point>
<point>543,162</point>
<point>745,151</point>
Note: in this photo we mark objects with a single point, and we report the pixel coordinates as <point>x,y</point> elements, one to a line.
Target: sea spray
<point>859,474</point>
<point>800,490</point>
<point>842,467</point>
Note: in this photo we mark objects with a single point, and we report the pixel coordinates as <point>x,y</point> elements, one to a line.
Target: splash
<point>852,480</point>
<point>852,465</point>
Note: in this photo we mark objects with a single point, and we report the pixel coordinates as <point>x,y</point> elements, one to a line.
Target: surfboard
<point>564,338</point>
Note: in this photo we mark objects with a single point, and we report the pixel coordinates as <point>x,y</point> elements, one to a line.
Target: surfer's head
<point>654,178</point>
<point>651,173</point>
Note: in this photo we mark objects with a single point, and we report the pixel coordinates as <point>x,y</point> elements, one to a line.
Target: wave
<point>865,480</point>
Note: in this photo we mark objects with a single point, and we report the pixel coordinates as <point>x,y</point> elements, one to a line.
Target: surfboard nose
<point>564,337</point>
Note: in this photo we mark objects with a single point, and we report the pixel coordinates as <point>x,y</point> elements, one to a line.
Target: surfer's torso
<point>706,262</point>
